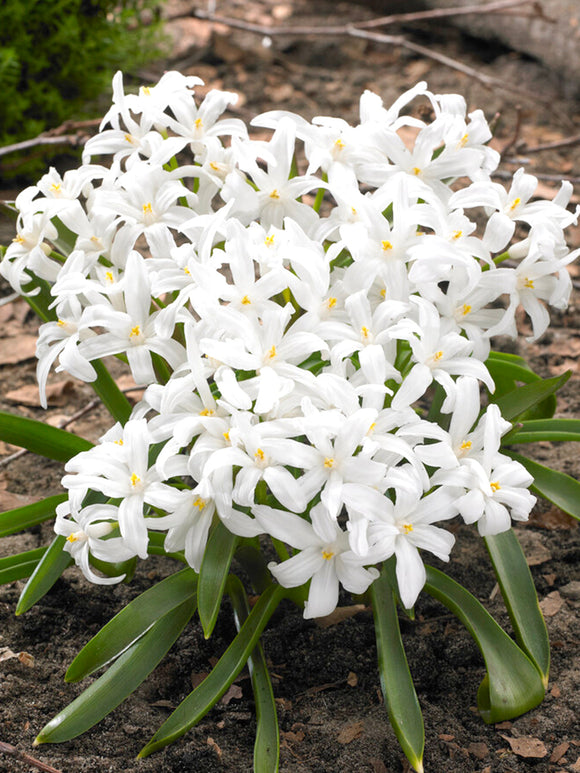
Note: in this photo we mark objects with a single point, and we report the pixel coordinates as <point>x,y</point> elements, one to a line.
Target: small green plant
<point>57,56</point>
<point>321,386</point>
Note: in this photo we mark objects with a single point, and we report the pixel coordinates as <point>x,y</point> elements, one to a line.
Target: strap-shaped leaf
<point>121,679</point>
<point>557,487</point>
<point>396,681</point>
<point>42,439</point>
<point>213,574</point>
<point>554,430</point>
<point>47,571</point>
<point>518,591</point>
<point>207,694</point>
<point>20,565</point>
<point>132,622</point>
<point>21,518</point>
<point>512,684</point>
<point>114,400</point>
<point>520,400</point>
<point>267,745</point>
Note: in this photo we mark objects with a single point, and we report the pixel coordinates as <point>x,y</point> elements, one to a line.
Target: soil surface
<point>331,713</point>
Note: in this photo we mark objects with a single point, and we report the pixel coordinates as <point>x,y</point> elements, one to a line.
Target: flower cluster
<point>292,329</point>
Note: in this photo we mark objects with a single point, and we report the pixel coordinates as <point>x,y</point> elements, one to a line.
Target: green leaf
<point>132,622</point>
<point>40,438</point>
<point>557,487</point>
<point>536,430</point>
<point>213,574</point>
<point>396,682</point>
<point>48,570</point>
<point>20,565</point>
<point>21,518</point>
<point>520,400</point>
<point>121,679</point>
<point>521,600</point>
<point>114,400</point>
<point>267,745</point>
<point>207,694</point>
<point>512,684</point>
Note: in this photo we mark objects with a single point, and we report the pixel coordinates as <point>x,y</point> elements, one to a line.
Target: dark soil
<point>331,712</point>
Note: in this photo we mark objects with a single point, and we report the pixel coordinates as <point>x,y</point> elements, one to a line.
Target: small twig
<point>516,135</point>
<point>12,750</point>
<point>66,139</point>
<point>552,145</point>
<point>13,457</point>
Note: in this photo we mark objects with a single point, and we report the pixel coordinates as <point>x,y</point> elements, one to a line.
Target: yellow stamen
<point>272,353</point>
<point>95,240</point>
<point>226,436</point>
<point>463,141</point>
<point>147,208</point>
<point>339,144</point>
<point>72,537</point>
<point>516,202</point>
<point>259,455</point>
<point>206,412</point>
<point>186,271</point>
<point>383,292</point>
<point>416,170</point>
<point>494,486</point>
<point>214,166</point>
<point>198,123</point>
<point>109,276</point>
<point>269,240</point>
<point>275,194</point>
<point>407,528</point>
<point>129,139</point>
<point>135,331</point>
<point>61,323</point>
<point>135,479</point>
<point>465,446</point>
<point>328,462</point>
<point>529,283</point>
<point>353,210</point>
<point>331,303</point>
<point>118,442</point>
<point>246,301</point>
<point>456,235</point>
<point>438,355</point>
<point>364,332</point>
<point>56,188</point>
<point>386,245</point>
<point>199,503</point>
<point>465,309</point>
<point>146,91</point>
<point>19,239</point>
<point>371,429</point>
<point>327,555</point>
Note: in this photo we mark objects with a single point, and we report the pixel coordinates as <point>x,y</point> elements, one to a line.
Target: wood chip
<point>555,692</point>
<point>378,766</point>
<point>526,746</point>
<point>352,679</point>
<point>552,604</point>
<point>478,749</point>
<point>212,744</point>
<point>350,732</point>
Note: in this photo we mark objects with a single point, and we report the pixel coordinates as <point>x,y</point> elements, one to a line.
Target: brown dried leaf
<point>339,614</point>
<point>350,732</point>
<point>552,604</point>
<point>478,749</point>
<point>235,692</point>
<point>352,679</point>
<point>526,746</point>
<point>378,766</point>
<point>26,659</point>
<point>533,546</point>
<point>559,751</point>
<point>17,349</point>
<point>57,394</point>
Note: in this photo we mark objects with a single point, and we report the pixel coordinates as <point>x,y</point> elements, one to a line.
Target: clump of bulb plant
<point>313,319</point>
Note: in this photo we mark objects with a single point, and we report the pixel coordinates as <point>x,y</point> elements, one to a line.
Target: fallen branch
<point>552,145</point>
<point>14,752</point>
<point>358,30</point>
<point>42,139</point>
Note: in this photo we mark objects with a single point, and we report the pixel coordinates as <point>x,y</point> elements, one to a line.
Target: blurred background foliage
<point>58,56</point>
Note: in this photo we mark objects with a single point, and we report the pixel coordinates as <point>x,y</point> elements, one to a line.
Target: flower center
<point>327,554</point>
<point>329,462</point>
<point>406,528</point>
<point>135,479</point>
<point>275,194</point>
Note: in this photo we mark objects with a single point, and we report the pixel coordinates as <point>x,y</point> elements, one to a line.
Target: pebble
<point>571,590</point>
